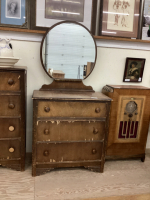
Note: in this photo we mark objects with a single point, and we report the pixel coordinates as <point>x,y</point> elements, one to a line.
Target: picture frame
<point>120,18</point>
<point>15,14</point>
<point>146,20</point>
<point>134,69</point>
<point>39,22</point>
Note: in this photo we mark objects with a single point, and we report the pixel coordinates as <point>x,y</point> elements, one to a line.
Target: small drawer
<point>10,105</point>
<point>69,152</point>
<point>70,130</point>
<point>9,128</point>
<point>71,109</point>
<point>9,149</point>
<point>9,81</point>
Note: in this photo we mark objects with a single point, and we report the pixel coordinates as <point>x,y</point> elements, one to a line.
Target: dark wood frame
<point>26,25</point>
<point>103,22</point>
<point>126,69</point>
<point>42,48</point>
<point>33,17</point>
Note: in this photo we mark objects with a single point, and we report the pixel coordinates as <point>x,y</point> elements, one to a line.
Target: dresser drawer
<point>10,105</point>
<point>9,149</point>
<point>71,109</point>
<point>70,131</point>
<point>68,152</point>
<point>9,128</point>
<point>9,81</point>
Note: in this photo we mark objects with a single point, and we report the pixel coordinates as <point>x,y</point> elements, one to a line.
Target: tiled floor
<point>120,178</point>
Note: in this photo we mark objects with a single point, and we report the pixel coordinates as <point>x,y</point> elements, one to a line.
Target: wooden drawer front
<point>68,152</point>
<point>71,109</point>
<point>9,128</point>
<point>9,81</point>
<point>10,105</point>
<point>70,131</point>
<point>9,149</point>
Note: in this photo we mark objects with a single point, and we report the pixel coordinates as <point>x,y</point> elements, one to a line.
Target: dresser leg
<point>94,168</point>
<point>143,159</point>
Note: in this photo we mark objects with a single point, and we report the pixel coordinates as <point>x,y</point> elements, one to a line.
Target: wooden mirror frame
<point>62,22</point>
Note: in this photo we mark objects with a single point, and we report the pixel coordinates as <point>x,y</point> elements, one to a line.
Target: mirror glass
<point>68,51</point>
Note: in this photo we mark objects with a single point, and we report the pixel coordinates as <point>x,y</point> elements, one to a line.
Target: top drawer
<point>71,109</point>
<point>9,81</point>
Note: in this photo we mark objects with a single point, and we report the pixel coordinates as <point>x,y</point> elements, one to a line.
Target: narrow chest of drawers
<point>69,130</point>
<point>13,118</point>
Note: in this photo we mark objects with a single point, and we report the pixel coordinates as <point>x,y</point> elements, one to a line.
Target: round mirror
<point>68,51</point>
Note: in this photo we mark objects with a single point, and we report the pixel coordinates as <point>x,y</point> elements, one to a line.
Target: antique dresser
<point>129,121</point>
<point>70,120</point>
<point>12,118</point>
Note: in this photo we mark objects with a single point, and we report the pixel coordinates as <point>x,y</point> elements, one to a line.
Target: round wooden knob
<point>10,81</point>
<point>95,130</point>
<point>11,150</point>
<point>97,110</point>
<point>94,151</point>
<point>47,109</point>
<point>46,131</point>
<point>46,153</point>
<point>11,106</point>
<point>11,128</point>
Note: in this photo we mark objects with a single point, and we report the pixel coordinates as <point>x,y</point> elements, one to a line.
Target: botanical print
<point>65,10</point>
<point>121,15</point>
<point>13,9</point>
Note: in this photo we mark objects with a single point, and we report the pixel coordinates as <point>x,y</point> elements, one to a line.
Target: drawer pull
<point>47,109</point>
<point>11,128</point>
<point>10,81</point>
<point>46,153</point>
<point>11,150</point>
<point>97,110</point>
<point>95,130</point>
<point>94,151</point>
<point>46,131</point>
<point>11,106</point>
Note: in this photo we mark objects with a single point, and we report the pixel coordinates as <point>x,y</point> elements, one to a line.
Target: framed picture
<point>49,12</point>
<point>120,18</point>
<point>14,13</point>
<point>134,70</point>
<point>146,21</point>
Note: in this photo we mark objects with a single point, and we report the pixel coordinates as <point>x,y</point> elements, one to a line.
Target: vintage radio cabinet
<point>129,121</point>
<point>12,118</point>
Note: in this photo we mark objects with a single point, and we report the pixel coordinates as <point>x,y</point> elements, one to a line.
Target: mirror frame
<point>62,22</point>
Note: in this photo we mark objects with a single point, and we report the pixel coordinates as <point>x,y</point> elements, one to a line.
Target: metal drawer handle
<point>97,110</point>
<point>46,131</point>
<point>11,149</point>
<point>11,128</point>
<point>11,106</point>
<point>94,151</point>
<point>46,153</point>
<point>47,109</point>
<point>95,130</point>
<point>10,81</point>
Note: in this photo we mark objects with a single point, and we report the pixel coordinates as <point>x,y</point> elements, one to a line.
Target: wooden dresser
<point>129,121</point>
<point>12,118</point>
<point>70,130</point>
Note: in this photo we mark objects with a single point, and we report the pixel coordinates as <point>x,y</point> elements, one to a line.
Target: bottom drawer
<point>63,152</point>
<point>9,149</point>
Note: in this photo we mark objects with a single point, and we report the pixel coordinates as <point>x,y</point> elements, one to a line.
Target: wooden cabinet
<point>12,117</point>
<point>129,121</point>
<point>70,130</point>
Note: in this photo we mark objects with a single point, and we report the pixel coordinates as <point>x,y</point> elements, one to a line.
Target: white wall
<point>109,69</point>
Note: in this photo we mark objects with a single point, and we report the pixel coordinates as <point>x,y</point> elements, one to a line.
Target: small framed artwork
<point>146,21</point>
<point>134,70</point>
<point>120,18</point>
<point>14,13</point>
<point>49,12</point>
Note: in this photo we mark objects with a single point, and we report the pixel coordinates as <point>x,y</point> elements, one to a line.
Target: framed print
<point>120,18</point>
<point>49,12</point>
<point>146,21</point>
<point>134,70</point>
<point>14,13</point>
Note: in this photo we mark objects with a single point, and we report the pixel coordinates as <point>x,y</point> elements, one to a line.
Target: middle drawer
<point>70,130</point>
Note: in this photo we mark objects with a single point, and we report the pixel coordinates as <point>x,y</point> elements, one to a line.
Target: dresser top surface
<point>129,87</point>
<point>16,68</point>
<point>90,96</point>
